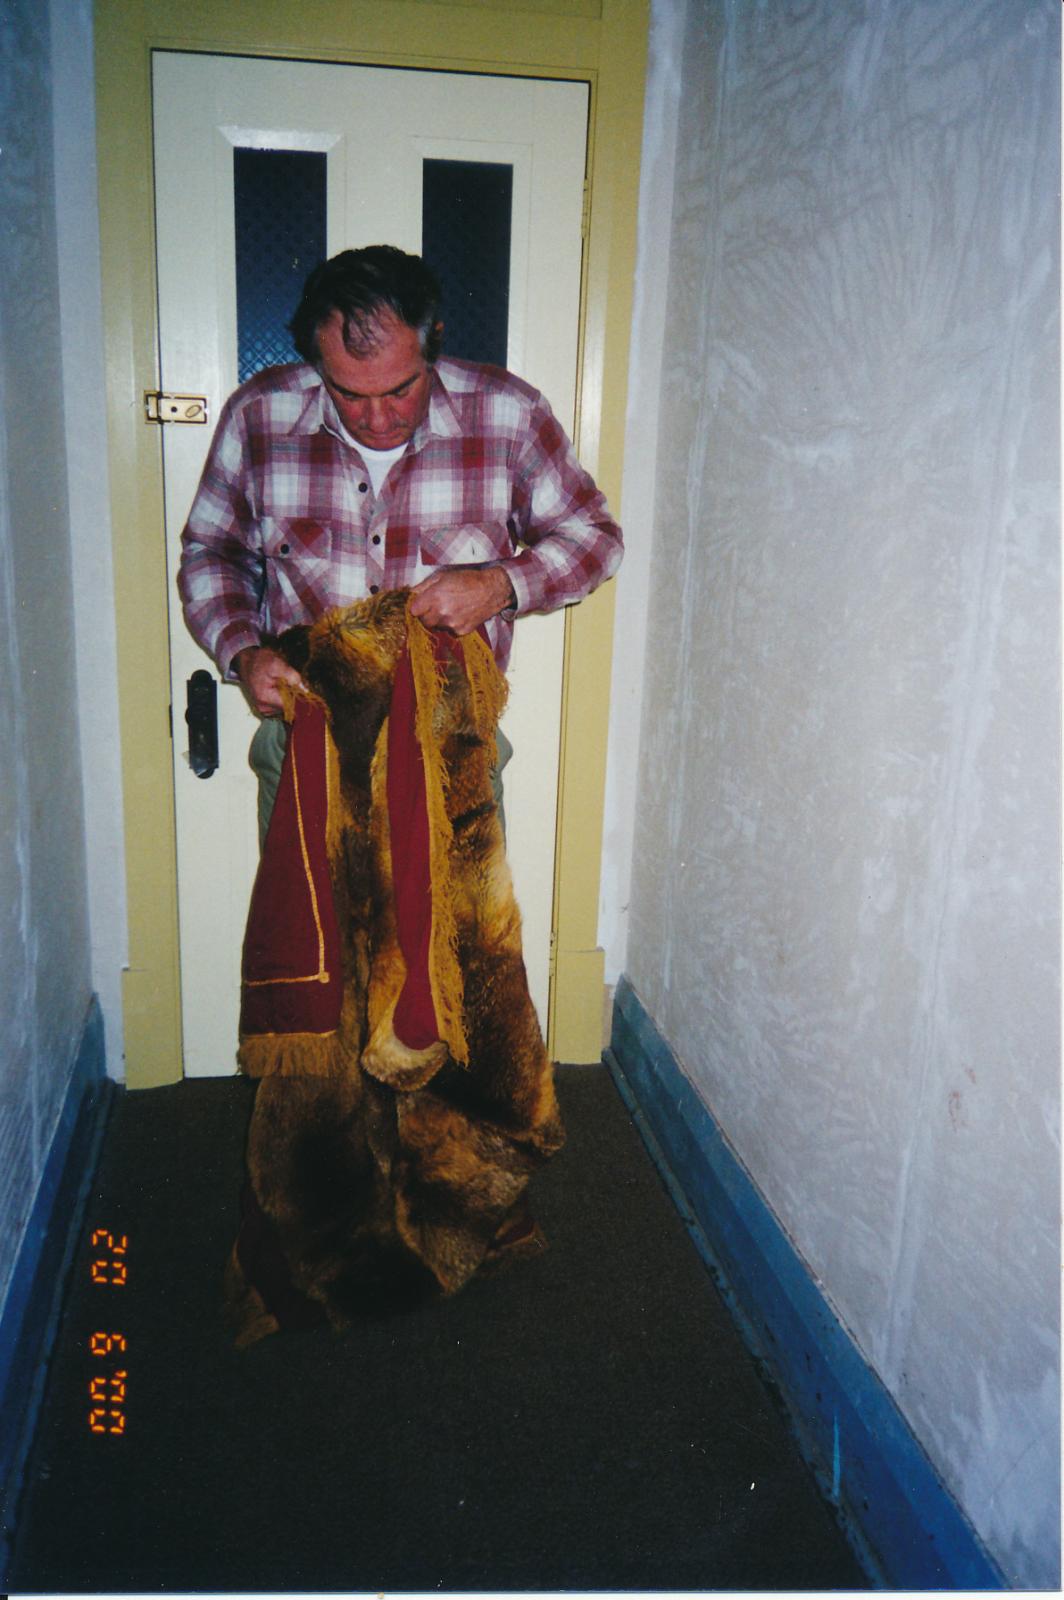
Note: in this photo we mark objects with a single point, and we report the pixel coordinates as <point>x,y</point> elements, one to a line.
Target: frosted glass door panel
<point>467,209</point>
<point>279,225</point>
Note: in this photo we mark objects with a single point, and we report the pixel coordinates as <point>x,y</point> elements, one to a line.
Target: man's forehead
<point>367,335</point>
<point>391,368</point>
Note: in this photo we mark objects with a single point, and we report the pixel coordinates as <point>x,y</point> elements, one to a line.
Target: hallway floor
<point>589,1420</point>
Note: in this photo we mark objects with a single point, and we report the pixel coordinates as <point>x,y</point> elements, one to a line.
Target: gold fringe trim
<point>488,689</point>
<point>292,1055</point>
<point>445,976</point>
<point>289,694</point>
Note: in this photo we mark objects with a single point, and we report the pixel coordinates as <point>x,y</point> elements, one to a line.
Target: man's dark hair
<point>361,285</point>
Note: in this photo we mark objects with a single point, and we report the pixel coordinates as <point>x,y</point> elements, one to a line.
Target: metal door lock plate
<point>174,407</point>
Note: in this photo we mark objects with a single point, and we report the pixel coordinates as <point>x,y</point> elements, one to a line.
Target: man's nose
<point>377,415</point>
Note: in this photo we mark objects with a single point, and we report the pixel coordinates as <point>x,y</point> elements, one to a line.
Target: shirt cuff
<point>526,581</point>
<point>235,638</point>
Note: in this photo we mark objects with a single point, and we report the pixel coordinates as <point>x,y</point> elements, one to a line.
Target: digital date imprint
<point>108,1385</point>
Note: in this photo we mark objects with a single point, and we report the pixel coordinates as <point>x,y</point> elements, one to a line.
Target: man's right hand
<point>261,671</point>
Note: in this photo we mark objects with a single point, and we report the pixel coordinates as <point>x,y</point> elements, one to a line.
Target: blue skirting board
<point>909,1531</point>
<point>30,1318</point>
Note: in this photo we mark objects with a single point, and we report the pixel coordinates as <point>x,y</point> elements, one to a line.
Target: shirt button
<point>376,538</point>
<point>285,549</point>
<point>362,488</point>
<point>373,588</point>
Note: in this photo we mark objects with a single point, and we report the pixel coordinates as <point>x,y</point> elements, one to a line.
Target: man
<point>372,465</point>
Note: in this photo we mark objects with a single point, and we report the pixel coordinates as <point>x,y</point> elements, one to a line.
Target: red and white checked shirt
<point>285,523</point>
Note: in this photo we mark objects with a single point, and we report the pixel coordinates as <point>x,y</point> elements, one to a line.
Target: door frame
<point>599,42</point>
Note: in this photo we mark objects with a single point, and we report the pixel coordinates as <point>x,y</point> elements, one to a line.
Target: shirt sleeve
<point>221,573</point>
<point>573,543</point>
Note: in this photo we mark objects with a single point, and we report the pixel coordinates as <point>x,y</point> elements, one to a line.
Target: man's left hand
<point>461,598</point>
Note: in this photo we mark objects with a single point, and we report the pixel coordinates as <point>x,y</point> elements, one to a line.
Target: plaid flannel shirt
<point>285,523</point>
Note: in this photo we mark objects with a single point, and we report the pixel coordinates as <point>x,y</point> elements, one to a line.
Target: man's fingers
<point>460,598</point>
<point>420,594</point>
<point>268,690</point>
<point>261,672</point>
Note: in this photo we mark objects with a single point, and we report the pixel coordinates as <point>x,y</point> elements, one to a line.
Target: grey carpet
<point>589,1420</point>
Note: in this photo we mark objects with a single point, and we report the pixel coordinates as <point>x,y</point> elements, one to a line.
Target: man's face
<point>380,397</point>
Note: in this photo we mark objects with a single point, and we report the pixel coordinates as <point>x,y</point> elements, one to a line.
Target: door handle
<point>201,714</point>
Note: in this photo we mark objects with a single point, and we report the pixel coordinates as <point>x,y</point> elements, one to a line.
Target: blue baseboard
<point>30,1317</point>
<point>909,1531</point>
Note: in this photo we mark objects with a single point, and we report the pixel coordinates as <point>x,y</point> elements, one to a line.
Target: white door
<point>375,128</point>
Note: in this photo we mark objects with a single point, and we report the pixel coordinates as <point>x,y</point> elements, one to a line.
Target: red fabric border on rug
<point>415,1023</point>
<point>292,982</point>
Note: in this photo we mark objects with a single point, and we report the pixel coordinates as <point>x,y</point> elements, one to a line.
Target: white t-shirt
<point>378,463</point>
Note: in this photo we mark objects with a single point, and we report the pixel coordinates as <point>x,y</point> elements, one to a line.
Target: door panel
<point>376,127</point>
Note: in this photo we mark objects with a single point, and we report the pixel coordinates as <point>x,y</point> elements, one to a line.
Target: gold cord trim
<point>322,975</point>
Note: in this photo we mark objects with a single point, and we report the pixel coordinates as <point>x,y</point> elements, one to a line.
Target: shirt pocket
<point>296,538</point>
<point>297,570</point>
<point>468,545</point>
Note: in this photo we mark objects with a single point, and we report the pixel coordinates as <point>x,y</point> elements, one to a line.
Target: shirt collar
<point>441,420</point>
<point>318,410</point>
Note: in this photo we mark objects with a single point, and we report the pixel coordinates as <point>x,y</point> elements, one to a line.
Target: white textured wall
<point>657,176</point>
<point>81,330</point>
<point>844,908</point>
<point>44,946</point>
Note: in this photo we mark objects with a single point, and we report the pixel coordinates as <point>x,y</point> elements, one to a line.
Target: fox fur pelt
<point>379,1175</point>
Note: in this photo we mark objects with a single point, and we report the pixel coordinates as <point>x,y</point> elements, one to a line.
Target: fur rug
<point>384,1167</point>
